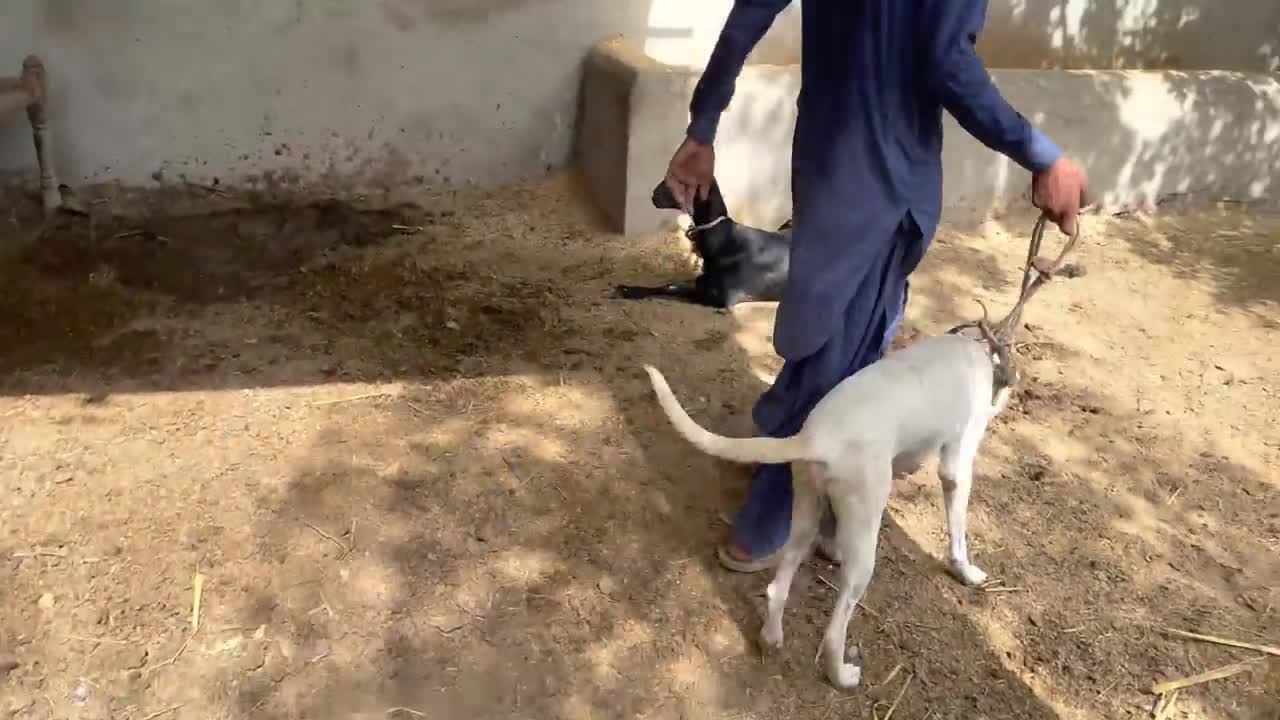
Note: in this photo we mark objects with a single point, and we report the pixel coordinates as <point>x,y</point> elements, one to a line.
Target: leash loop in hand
<point>1035,273</point>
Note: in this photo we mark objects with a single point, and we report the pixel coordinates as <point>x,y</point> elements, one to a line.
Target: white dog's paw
<point>968,573</point>
<point>845,676</point>
<point>770,639</point>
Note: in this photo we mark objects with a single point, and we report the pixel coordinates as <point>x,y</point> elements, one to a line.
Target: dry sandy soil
<point>420,474</point>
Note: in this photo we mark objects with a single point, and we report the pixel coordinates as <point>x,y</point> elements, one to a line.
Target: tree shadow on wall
<point>1131,34</point>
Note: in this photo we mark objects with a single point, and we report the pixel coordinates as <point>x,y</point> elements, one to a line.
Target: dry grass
<point>412,455</point>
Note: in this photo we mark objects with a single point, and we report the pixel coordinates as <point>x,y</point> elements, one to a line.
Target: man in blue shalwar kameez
<point>867,193</point>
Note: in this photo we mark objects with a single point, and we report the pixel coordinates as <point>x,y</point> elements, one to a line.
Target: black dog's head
<point>704,210</point>
<point>664,199</point>
<point>710,242</point>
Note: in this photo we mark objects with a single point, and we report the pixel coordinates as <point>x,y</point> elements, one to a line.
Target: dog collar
<point>705,226</point>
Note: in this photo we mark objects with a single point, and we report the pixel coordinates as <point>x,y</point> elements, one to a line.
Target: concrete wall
<point>1239,35</point>
<point>383,92</point>
<point>683,33</point>
<point>373,92</point>
<point>1141,134</point>
<point>1080,34</point>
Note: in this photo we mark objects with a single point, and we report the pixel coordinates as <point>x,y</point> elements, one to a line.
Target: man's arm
<point>747,23</point>
<point>963,85</point>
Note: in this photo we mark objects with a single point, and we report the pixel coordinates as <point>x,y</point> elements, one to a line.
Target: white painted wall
<point>362,93</point>
<point>1080,34</point>
<point>683,33</point>
<point>1239,35</point>
<point>377,93</point>
<point>1142,135</point>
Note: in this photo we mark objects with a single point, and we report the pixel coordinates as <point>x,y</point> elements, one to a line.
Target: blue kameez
<point>866,188</point>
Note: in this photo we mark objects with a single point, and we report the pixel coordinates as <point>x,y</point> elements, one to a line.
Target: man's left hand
<point>1061,192</point>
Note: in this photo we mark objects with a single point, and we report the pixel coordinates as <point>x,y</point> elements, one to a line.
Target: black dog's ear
<point>663,198</point>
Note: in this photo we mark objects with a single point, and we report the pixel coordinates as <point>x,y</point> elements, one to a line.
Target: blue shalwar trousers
<point>862,336</point>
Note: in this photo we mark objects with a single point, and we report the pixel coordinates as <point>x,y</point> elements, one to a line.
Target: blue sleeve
<point>747,23</point>
<point>965,89</point>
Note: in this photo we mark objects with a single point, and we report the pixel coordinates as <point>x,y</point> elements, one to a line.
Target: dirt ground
<point>420,474</point>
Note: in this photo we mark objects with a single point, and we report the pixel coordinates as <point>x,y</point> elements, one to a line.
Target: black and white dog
<point>739,263</point>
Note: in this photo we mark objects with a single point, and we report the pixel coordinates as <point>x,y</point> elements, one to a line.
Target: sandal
<point>826,550</point>
<point>725,553</point>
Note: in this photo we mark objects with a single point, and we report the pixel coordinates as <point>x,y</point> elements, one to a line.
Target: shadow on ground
<point>423,475</point>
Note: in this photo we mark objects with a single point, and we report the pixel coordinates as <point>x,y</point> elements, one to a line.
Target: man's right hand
<point>690,172</point>
<point>1060,192</point>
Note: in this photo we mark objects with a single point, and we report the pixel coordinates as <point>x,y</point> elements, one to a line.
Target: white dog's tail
<point>765,450</point>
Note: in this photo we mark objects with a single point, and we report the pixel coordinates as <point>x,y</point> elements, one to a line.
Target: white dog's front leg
<point>806,507</point>
<point>955,471</point>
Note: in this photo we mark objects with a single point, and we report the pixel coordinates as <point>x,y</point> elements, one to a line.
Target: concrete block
<point>1142,135</point>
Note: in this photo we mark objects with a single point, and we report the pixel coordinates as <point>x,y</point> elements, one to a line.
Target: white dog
<point>934,396</point>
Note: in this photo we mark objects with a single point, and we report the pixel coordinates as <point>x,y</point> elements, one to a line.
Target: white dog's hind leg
<point>1002,401</point>
<point>859,507</point>
<point>806,508</point>
<point>955,471</point>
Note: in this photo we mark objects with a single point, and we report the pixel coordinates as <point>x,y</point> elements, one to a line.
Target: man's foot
<point>734,557</point>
